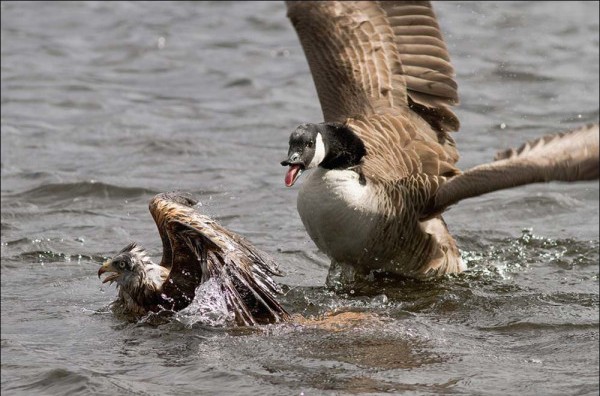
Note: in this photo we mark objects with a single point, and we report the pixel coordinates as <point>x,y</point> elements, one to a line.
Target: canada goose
<point>384,157</point>
<point>195,249</point>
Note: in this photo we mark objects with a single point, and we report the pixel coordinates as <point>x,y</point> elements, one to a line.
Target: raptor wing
<point>200,249</point>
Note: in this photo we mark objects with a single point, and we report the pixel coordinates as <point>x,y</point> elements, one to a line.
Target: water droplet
<point>503,126</point>
<point>161,42</point>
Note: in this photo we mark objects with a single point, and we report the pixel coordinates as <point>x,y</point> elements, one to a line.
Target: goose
<point>384,159</point>
<point>195,249</point>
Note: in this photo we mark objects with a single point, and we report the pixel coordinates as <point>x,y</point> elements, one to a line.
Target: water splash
<point>209,307</point>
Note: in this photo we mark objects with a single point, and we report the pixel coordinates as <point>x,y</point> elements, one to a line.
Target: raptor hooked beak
<point>108,267</point>
<point>296,167</point>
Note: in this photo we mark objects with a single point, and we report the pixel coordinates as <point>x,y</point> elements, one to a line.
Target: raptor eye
<point>122,265</point>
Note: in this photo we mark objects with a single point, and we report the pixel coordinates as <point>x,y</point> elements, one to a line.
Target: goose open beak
<point>292,174</point>
<point>296,167</point>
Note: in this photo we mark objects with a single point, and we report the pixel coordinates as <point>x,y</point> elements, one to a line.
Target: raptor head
<point>127,268</point>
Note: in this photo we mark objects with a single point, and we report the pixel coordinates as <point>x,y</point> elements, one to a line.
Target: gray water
<point>106,104</point>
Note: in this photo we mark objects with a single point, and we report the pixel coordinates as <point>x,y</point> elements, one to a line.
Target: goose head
<point>306,151</point>
<point>329,145</point>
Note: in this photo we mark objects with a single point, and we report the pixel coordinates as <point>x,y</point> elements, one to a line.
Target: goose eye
<point>309,144</point>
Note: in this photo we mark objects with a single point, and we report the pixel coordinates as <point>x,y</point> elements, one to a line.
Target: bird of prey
<point>385,157</point>
<point>195,249</point>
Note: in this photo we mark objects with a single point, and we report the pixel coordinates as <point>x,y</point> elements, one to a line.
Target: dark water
<point>105,104</point>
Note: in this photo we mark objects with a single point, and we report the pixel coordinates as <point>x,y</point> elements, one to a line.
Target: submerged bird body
<point>385,157</point>
<point>195,249</point>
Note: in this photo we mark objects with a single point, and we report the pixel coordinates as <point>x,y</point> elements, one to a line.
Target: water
<point>105,104</point>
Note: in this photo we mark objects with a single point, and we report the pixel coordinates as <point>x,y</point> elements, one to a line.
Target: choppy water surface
<point>105,104</point>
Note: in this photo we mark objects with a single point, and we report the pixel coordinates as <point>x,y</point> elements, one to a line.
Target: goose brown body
<point>383,73</point>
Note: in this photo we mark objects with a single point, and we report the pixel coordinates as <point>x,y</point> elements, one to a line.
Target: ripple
<point>399,352</point>
<point>521,76</point>
<point>55,381</point>
<point>525,326</point>
<point>53,192</point>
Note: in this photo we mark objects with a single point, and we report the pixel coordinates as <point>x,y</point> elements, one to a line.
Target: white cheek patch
<point>319,152</point>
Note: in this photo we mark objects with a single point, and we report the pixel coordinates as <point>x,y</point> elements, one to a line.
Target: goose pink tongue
<point>292,174</point>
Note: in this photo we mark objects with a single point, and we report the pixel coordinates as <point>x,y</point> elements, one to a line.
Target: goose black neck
<point>343,147</point>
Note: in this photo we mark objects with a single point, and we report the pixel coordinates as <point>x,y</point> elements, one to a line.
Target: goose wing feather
<point>366,57</point>
<point>569,156</point>
<point>428,72</point>
<point>372,62</point>
<point>352,56</point>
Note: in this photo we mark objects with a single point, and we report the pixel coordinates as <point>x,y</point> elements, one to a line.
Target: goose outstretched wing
<point>368,56</point>
<point>569,156</point>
